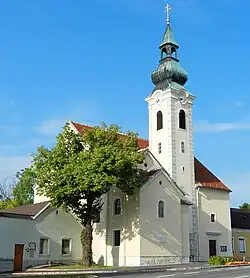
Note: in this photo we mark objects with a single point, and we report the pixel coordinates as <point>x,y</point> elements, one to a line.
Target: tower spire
<point>169,70</point>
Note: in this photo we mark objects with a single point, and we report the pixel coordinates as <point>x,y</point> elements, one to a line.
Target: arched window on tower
<point>159,120</point>
<point>182,119</point>
<point>117,206</point>
<point>173,53</point>
<point>160,209</point>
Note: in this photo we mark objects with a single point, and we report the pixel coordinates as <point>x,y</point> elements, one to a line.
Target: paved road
<point>236,272</point>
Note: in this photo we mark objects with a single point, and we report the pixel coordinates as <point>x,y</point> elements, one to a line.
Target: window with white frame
<point>66,246</point>
<point>242,244</point>
<point>44,246</point>
<point>212,217</point>
<point>223,248</point>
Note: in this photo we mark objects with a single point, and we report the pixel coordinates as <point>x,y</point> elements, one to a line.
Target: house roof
<point>26,211</point>
<point>240,218</point>
<point>203,176</point>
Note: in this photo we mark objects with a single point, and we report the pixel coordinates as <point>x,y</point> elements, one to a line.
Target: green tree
<point>5,195</point>
<point>86,167</point>
<point>18,192</point>
<point>245,206</point>
<point>23,192</point>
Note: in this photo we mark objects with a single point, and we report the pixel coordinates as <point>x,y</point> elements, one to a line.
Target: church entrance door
<point>212,248</point>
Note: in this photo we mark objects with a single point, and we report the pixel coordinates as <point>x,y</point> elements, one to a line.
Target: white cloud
<point>51,127</point>
<point>206,126</point>
<point>239,183</point>
<point>9,165</point>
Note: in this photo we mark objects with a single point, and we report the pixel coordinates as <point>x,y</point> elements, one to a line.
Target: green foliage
<point>216,260</point>
<point>86,167</point>
<point>19,192</point>
<point>23,190</point>
<point>219,260</point>
<point>8,203</point>
<point>245,206</point>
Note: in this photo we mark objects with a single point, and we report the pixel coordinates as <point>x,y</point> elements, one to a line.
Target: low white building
<point>37,234</point>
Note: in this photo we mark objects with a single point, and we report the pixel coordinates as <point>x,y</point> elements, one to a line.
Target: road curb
<point>105,273</point>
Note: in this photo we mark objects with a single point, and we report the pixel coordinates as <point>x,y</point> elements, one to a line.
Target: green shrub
<point>217,260</point>
<point>229,260</point>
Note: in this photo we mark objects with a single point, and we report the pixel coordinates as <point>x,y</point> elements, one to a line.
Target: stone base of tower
<point>194,254</point>
<point>163,260</point>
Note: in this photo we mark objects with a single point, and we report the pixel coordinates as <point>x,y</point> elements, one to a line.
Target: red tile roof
<point>202,175</point>
<point>206,178</point>
<point>142,144</point>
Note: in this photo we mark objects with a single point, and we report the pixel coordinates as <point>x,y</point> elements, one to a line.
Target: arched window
<point>182,147</point>
<point>159,120</point>
<point>182,119</point>
<point>161,209</point>
<point>117,206</point>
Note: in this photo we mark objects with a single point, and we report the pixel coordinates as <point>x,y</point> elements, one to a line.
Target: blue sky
<point>91,61</point>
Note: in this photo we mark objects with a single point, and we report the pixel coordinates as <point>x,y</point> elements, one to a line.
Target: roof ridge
<point>74,122</point>
<point>121,133</point>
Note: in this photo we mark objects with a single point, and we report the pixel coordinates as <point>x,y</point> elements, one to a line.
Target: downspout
<point>198,223</point>
<point>107,225</point>
<point>182,235</point>
<point>124,227</point>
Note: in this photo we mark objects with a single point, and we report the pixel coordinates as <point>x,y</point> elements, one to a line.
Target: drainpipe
<point>107,225</point>
<point>198,222</point>
<point>124,227</point>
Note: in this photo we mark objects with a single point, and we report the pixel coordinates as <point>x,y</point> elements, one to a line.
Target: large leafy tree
<point>80,169</point>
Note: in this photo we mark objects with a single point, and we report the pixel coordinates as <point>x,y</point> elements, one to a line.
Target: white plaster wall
<point>184,177</point>
<point>128,251</point>
<point>39,198</point>
<point>171,136</point>
<point>163,136</point>
<point>13,231</point>
<point>151,163</point>
<point>217,202</point>
<point>57,226</point>
<point>132,230</point>
<point>152,228</point>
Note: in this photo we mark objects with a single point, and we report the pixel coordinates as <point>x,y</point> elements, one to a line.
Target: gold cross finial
<point>167,10</point>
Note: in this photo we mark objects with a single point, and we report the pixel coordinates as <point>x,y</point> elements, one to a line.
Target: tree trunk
<point>86,240</point>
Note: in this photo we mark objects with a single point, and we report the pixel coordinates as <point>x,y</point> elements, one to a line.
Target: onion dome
<point>169,70</point>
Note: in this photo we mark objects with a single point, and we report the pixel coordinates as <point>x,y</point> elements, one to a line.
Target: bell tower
<point>170,122</point>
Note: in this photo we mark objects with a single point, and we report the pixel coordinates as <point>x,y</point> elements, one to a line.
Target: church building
<point>182,212</point>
